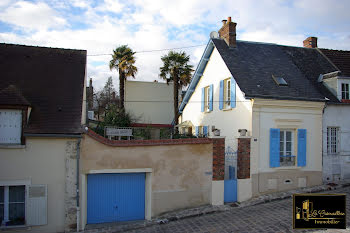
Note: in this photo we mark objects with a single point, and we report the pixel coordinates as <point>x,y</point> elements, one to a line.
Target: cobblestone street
<point>274,216</point>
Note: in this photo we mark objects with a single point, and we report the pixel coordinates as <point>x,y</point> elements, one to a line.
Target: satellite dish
<point>214,35</point>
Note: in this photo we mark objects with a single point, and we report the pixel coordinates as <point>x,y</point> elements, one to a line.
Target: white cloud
<point>32,16</point>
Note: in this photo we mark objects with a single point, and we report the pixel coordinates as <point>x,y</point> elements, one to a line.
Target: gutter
<point>77,180</point>
<point>52,135</point>
<point>284,98</point>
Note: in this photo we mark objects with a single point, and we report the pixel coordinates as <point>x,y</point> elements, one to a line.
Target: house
<point>268,110</point>
<point>150,102</point>
<point>336,124</point>
<point>42,94</point>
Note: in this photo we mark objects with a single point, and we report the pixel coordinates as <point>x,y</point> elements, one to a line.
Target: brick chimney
<point>228,32</point>
<point>310,42</point>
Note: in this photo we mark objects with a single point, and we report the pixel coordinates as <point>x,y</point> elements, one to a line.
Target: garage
<point>115,197</point>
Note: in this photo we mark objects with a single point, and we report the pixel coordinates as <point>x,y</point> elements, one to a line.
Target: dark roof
<point>12,96</point>
<point>312,63</point>
<point>253,64</point>
<point>339,58</point>
<point>51,80</point>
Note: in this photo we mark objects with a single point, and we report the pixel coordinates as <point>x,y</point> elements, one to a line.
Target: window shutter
<point>301,147</point>
<point>211,90</point>
<point>274,147</point>
<point>37,205</point>
<point>197,131</point>
<point>205,131</point>
<point>221,95</point>
<point>11,126</point>
<point>202,102</point>
<point>233,93</point>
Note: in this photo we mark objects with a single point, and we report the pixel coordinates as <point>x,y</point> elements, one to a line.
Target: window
<point>227,98</point>
<point>332,140</point>
<point>12,205</point>
<point>283,151</point>
<point>345,91</point>
<point>280,81</point>
<point>287,157</point>
<point>201,131</point>
<point>207,99</point>
<point>10,126</point>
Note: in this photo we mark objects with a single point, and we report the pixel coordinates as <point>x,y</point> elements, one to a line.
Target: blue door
<point>115,197</point>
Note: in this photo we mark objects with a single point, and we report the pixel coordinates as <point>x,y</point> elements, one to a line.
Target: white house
<point>257,87</point>
<point>336,123</point>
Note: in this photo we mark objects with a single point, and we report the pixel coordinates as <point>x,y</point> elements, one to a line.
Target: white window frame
<point>292,151</point>
<point>345,93</point>
<point>333,140</point>
<point>227,93</point>
<point>25,183</point>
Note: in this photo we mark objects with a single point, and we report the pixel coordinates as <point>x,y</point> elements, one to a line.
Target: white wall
<point>228,121</point>
<point>337,166</point>
<point>286,114</point>
<point>142,101</point>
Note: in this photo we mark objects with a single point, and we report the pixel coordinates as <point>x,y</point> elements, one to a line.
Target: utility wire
<point>150,51</point>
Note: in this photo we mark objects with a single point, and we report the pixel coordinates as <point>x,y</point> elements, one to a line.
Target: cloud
<point>32,16</point>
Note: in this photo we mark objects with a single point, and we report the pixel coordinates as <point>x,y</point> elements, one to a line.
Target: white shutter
<point>37,205</point>
<point>10,126</point>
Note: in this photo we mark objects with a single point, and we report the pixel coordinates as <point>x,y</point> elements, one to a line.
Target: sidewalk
<point>208,209</point>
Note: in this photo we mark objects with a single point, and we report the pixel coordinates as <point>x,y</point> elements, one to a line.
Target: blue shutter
<point>211,90</point>
<point>301,147</point>
<point>205,131</point>
<point>221,95</point>
<point>233,93</point>
<point>197,131</point>
<point>274,147</point>
<point>202,102</point>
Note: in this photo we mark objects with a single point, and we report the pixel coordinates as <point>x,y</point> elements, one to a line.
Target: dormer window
<point>10,126</point>
<point>345,91</point>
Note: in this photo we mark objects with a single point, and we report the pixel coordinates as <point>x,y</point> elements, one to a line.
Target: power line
<point>150,51</point>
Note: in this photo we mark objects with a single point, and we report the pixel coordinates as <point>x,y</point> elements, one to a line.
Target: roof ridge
<point>42,47</point>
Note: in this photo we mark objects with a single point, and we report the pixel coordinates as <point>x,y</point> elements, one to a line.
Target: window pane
<point>16,214</point>
<point>17,193</point>
<point>288,146</point>
<point>288,136</point>
<point>1,194</point>
<point>281,148</point>
<point>281,136</point>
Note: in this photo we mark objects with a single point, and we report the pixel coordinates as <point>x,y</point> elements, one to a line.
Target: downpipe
<point>77,180</point>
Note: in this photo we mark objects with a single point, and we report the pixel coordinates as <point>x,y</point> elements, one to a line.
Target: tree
<point>176,68</point>
<point>123,61</point>
<point>106,97</point>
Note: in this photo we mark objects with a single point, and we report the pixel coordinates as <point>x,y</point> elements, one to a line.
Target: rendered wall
<point>336,167</point>
<point>285,115</point>
<point>150,102</point>
<point>42,161</point>
<point>181,174</point>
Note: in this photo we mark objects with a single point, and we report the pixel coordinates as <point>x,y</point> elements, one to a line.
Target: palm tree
<point>123,61</point>
<point>176,68</point>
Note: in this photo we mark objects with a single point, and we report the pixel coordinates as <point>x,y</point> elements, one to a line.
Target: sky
<point>99,26</point>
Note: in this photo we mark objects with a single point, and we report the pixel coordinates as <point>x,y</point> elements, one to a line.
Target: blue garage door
<point>115,197</point>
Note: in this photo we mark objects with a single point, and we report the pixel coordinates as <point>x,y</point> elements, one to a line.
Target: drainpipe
<point>78,206</point>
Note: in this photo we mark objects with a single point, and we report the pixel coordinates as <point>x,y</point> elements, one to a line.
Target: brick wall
<point>243,158</point>
<point>228,33</point>
<point>310,42</point>
<point>218,158</point>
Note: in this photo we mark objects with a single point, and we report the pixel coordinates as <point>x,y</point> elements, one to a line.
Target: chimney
<point>310,42</point>
<point>113,95</point>
<point>90,82</point>
<point>228,32</point>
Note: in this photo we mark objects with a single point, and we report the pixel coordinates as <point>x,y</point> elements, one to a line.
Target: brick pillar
<point>218,158</point>
<point>243,158</point>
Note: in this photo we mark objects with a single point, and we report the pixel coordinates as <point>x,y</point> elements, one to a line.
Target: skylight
<point>279,81</point>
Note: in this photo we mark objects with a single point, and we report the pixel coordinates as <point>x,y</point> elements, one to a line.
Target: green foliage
<point>114,117</point>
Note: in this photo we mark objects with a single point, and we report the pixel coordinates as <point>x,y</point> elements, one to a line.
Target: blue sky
<point>100,26</point>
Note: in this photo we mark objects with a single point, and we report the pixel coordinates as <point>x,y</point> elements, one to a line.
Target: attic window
<point>279,81</point>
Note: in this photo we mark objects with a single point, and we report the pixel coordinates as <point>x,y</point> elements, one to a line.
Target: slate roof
<point>12,96</point>
<point>51,80</point>
<point>339,58</point>
<point>253,64</point>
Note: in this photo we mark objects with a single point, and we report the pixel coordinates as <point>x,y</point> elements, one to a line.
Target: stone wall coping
<point>160,142</point>
<point>248,137</point>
